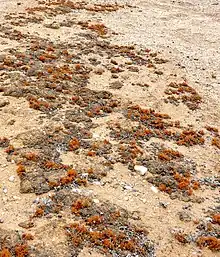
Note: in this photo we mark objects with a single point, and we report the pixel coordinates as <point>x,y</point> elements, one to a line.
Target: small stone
<point>99,71</point>
<point>11,178</point>
<point>127,187</point>
<point>184,216</point>
<point>114,62</point>
<point>53,25</point>
<point>5,190</point>
<point>3,103</point>
<point>133,69</point>
<point>11,122</point>
<point>158,72</point>
<point>163,204</point>
<point>116,85</point>
<point>154,189</point>
<point>26,187</point>
<point>96,201</point>
<point>126,198</point>
<point>1,221</point>
<point>26,224</point>
<point>141,169</point>
<point>136,215</point>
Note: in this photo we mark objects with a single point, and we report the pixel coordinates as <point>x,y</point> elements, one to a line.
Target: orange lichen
<point>31,156</point>
<point>108,244</point>
<point>21,250</point>
<point>38,104</point>
<point>184,184</point>
<point>211,242</point>
<point>190,137</point>
<point>27,237</point>
<point>216,142</point>
<point>162,187</point>
<point>169,154</point>
<point>96,219</point>
<point>216,218</point>
<point>42,58</point>
<point>52,165</point>
<point>5,253</point>
<point>99,28</point>
<point>128,245</point>
<point>91,153</point>
<point>20,170</point>
<point>39,212</point>
<point>74,144</point>
<point>180,237</point>
<point>196,185</point>
<point>10,149</point>
<point>212,129</point>
<point>79,204</point>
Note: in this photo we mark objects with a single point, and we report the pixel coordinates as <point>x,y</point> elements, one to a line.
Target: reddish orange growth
<point>184,184</point>
<point>39,212</point>
<point>5,253</point>
<point>79,204</point>
<point>212,129</point>
<point>27,237</point>
<point>216,218</point>
<point>182,238</point>
<point>91,153</point>
<point>53,184</point>
<point>162,187</point>
<point>169,154</point>
<point>108,244</point>
<point>190,137</point>
<point>190,191</point>
<point>196,185</point>
<point>10,149</point>
<point>37,104</point>
<point>128,245</point>
<point>20,170</point>
<point>31,156</point>
<point>42,58</point>
<point>99,28</point>
<point>78,66</point>
<point>115,215</point>
<point>211,242</point>
<point>216,142</point>
<point>71,175</point>
<point>74,144</point>
<point>21,250</point>
<point>96,219</point>
<point>52,165</point>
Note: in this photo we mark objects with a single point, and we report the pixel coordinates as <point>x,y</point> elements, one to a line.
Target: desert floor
<point>109,128</point>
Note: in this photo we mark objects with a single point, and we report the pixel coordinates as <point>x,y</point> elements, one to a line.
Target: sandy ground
<point>187,35</point>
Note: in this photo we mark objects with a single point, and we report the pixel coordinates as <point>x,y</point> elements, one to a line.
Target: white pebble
<point>96,201</point>
<point>5,190</point>
<point>154,189</point>
<point>127,187</point>
<point>11,179</point>
<point>141,169</point>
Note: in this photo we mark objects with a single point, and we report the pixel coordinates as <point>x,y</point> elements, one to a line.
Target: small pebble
<point>5,190</point>
<point>141,169</point>
<point>154,189</point>
<point>127,187</point>
<point>96,201</point>
<point>11,178</point>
